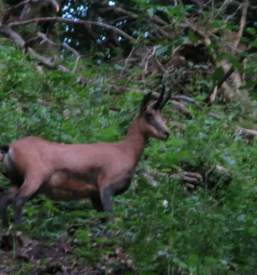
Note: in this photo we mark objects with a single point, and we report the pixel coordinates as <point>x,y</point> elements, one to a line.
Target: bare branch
<point>47,62</point>
<point>205,34</point>
<point>65,45</point>
<point>120,10</point>
<point>8,32</point>
<point>213,95</point>
<point>65,20</point>
<point>23,3</point>
<point>126,62</point>
<point>242,22</point>
<point>222,8</point>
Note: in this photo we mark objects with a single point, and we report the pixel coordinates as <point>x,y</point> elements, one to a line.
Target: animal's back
<point>46,155</point>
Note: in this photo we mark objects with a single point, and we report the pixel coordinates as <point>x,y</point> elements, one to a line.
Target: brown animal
<point>74,171</point>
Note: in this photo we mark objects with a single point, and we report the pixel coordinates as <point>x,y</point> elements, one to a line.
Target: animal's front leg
<point>5,201</point>
<point>107,193</point>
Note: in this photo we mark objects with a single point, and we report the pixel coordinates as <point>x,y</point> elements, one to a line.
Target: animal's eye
<point>149,115</point>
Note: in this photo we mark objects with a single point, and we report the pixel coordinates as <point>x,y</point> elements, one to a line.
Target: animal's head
<point>151,120</point>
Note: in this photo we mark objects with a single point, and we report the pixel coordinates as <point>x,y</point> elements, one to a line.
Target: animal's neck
<point>134,142</point>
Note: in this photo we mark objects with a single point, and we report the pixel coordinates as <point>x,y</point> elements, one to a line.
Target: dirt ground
<point>34,257</point>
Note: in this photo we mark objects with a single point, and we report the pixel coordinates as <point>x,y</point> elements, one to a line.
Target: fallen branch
<point>250,132</point>
<point>191,179</point>
<point>181,108</point>
<point>189,100</point>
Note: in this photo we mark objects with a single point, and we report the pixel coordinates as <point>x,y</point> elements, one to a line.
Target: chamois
<point>66,172</point>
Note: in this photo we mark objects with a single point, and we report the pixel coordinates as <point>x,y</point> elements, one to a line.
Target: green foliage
<point>209,231</point>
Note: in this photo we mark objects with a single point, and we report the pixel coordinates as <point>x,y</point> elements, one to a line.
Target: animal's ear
<point>145,102</point>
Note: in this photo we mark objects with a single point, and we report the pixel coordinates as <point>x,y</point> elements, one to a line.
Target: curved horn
<point>145,101</point>
<point>167,98</point>
<point>158,103</point>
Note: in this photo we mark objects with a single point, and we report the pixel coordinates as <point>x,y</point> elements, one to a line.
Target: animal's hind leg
<point>5,201</point>
<point>27,191</point>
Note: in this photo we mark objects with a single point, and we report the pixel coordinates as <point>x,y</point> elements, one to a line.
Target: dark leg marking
<point>107,194</point>
<point>5,201</point>
<point>18,207</point>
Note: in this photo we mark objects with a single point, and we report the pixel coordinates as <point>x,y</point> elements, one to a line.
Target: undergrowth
<point>163,229</point>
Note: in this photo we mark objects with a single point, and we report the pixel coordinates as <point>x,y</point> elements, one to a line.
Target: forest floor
<point>34,257</point>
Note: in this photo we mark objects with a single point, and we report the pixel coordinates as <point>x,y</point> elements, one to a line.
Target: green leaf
<point>150,12</point>
<point>218,74</point>
<point>165,170</point>
<point>254,44</point>
<point>101,240</point>
<point>79,213</point>
<point>175,158</point>
<point>118,67</point>
<point>234,62</point>
<point>193,261</point>
<point>251,31</point>
<point>249,84</point>
<point>161,50</point>
<point>83,235</point>
<point>192,37</point>
<point>162,9</point>
<point>109,132</point>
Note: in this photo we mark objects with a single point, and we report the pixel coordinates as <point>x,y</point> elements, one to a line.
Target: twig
<point>146,60</point>
<point>76,63</point>
<point>223,7</point>
<point>82,22</point>
<point>126,62</point>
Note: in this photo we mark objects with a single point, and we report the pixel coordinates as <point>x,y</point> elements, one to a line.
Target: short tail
<point>4,148</point>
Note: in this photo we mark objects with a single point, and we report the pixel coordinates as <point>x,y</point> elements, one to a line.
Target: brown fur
<point>74,171</point>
